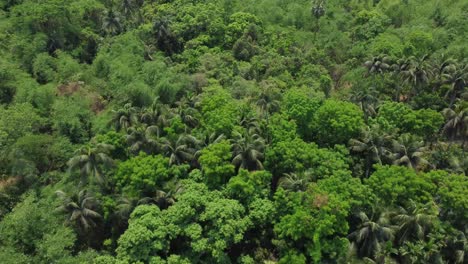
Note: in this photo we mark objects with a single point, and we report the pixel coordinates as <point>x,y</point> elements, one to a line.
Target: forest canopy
<point>228,131</point>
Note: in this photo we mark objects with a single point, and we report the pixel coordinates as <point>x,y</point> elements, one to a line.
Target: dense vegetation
<point>220,131</point>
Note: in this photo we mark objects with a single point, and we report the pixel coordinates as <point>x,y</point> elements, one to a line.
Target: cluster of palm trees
<point>412,76</point>
<point>147,131</point>
<point>378,147</point>
<point>151,130</point>
<point>415,75</point>
<point>119,16</point>
<point>386,237</point>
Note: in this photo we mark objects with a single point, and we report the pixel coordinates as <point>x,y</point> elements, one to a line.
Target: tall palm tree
<point>440,66</point>
<point>268,99</point>
<point>399,71</point>
<point>91,160</point>
<point>250,123</point>
<point>377,66</point>
<point>457,248</point>
<point>125,117</point>
<point>187,113</point>
<point>248,151</point>
<point>207,140</point>
<point>111,23</point>
<point>80,208</point>
<point>165,39</point>
<point>367,99</point>
<point>456,75</point>
<point>143,138</point>
<point>128,7</point>
<point>318,10</point>
<point>417,73</point>
<point>181,150</point>
<point>373,145</point>
<point>157,114</point>
<point>456,126</point>
<point>415,222</point>
<point>295,182</point>
<point>409,150</point>
<point>459,164</point>
<point>370,235</point>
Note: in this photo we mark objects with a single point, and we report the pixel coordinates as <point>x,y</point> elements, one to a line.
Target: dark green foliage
<point>228,131</point>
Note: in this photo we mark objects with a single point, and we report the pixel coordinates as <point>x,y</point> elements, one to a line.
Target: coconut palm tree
<point>157,114</point>
<point>268,99</point>
<point>414,222</point>
<point>125,117</point>
<point>295,182</point>
<point>317,11</point>
<point>165,39</point>
<point>181,150</point>
<point>373,145</point>
<point>367,99</point>
<point>399,70</point>
<point>80,208</point>
<point>248,151</point>
<point>416,73</point>
<point>378,65</point>
<point>128,7</point>
<point>456,250</point>
<point>456,75</point>
<point>250,123</point>
<point>91,160</point>
<point>456,126</point>
<point>143,138</point>
<point>111,23</point>
<point>187,113</point>
<point>370,235</point>
<point>440,66</point>
<point>409,150</point>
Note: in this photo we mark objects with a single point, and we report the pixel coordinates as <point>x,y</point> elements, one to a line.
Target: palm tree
<point>90,160</point>
<point>164,199</point>
<point>187,113</point>
<point>377,65</point>
<point>456,125</point>
<point>400,68</point>
<point>80,208</point>
<point>125,117</point>
<point>207,140</point>
<point>416,73</point>
<point>157,114</point>
<point>457,248</point>
<point>459,164</point>
<point>440,66</point>
<point>414,223</point>
<point>372,145</point>
<point>409,150</point>
<point>143,138</point>
<point>165,39</point>
<point>248,151</point>
<point>367,99</point>
<point>318,10</point>
<point>250,123</point>
<point>127,8</point>
<point>111,23</point>
<point>268,99</point>
<point>295,182</point>
<point>370,235</point>
<point>180,150</point>
<point>457,76</point>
